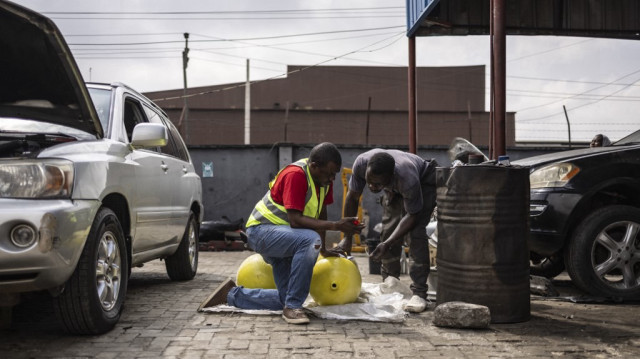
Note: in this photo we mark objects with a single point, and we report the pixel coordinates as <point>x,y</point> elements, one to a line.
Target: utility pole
<point>185,62</point>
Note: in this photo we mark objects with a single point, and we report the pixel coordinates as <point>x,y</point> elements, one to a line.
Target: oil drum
<point>483,229</point>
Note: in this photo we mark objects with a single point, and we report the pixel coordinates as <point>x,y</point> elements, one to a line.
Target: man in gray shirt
<point>408,182</point>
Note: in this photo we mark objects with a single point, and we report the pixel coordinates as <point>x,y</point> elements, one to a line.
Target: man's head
<point>599,140</point>
<point>324,163</point>
<point>379,171</point>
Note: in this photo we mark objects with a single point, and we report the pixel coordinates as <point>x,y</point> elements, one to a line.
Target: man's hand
<point>349,225</point>
<point>330,252</point>
<point>380,250</point>
<point>344,247</point>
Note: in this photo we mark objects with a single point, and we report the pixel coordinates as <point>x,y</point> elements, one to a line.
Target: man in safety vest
<point>409,198</point>
<point>287,228</point>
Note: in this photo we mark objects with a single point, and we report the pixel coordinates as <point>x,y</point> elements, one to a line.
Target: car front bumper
<point>61,227</point>
<point>550,215</point>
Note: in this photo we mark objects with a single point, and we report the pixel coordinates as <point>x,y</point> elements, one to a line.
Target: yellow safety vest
<point>267,211</point>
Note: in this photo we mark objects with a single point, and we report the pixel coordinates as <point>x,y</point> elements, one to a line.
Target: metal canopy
<point>616,19</point>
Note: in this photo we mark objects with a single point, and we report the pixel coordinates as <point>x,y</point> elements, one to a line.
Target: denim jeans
<point>292,253</point>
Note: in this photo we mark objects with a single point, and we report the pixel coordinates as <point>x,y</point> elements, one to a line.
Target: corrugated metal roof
<point>591,18</point>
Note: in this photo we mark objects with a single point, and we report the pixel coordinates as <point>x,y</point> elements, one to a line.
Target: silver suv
<point>94,180</point>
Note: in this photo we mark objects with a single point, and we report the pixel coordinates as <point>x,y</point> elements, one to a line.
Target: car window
<point>155,117</point>
<point>102,101</point>
<point>133,115</point>
<point>183,153</point>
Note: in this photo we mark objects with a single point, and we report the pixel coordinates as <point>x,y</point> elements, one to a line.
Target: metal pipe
<point>185,105</point>
<point>247,108</point>
<point>568,124</point>
<point>366,133</point>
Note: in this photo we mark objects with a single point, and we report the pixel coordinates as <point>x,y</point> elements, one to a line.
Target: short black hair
<point>324,153</point>
<point>381,163</point>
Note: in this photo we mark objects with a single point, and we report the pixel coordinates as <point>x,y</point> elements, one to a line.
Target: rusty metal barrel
<point>483,228</point>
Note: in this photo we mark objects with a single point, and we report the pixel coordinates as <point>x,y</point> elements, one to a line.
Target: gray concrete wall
<point>241,175</point>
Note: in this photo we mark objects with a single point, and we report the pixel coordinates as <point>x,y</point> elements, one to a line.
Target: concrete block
<point>461,315</point>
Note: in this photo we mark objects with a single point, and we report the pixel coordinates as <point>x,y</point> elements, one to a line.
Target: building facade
<point>351,105</point>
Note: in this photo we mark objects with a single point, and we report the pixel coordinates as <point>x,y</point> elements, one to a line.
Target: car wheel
<point>603,257</point>
<point>183,264</point>
<point>548,267</point>
<point>92,299</point>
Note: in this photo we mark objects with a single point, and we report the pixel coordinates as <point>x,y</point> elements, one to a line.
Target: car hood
<point>562,156</point>
<point>41,80</point>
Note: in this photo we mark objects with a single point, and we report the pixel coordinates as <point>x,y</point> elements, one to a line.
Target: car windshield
<point>102,101</point>
<point>631,139</point>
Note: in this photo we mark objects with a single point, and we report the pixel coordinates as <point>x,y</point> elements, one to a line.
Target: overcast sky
<point>140,43</point>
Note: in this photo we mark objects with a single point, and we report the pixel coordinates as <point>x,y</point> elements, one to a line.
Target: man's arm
<point>350,211</point>
<point>351,203</point>
<point>321,225</point>
<point>412,202</point>
<point>407,223</point>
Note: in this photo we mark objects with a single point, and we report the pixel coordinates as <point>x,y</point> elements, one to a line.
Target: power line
<point>240,39</point>
<point>119,35</point>
<point>270,78</point>
<point>307,52</point>
<point>570,97</point>
<point>550,50</point>
<point>565,80</point>
<point>224,12</point>
<point>228,18</point>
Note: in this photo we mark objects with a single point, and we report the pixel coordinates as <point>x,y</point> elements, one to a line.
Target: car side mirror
<point>149,135</point>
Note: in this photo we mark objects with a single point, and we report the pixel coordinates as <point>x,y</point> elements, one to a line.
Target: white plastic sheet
<point>382,308</point>
<point>381,302</point>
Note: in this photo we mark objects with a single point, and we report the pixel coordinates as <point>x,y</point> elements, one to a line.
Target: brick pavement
<point>160,320</point>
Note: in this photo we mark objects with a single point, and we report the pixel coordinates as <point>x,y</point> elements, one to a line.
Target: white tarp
<point>381,302</point>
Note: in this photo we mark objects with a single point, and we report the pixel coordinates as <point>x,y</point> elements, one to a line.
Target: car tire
<point>600,260</point>
<point>92,299</point>
<point>183,264</point>
<point>548,267</point>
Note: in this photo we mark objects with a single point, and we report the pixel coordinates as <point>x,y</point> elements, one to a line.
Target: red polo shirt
<point>290,189</point>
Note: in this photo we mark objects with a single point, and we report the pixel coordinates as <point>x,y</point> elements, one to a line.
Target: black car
<point>585,217</point>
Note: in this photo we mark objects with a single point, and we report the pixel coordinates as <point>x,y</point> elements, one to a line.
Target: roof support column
<point>413,107</point>
<point>498,78</point>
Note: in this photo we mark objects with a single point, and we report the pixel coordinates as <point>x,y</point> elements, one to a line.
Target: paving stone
<point>160,320</point>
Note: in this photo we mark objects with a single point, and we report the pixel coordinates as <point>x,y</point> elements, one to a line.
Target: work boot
<point>295,316</point>
<point>219,296</point>
<point>416,304</point>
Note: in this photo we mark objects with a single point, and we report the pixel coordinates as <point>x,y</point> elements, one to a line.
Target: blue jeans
<point>292,253</point>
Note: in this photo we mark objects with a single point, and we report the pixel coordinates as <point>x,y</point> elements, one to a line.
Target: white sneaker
<point>416,304</point>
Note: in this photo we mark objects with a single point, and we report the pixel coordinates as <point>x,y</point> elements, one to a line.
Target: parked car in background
<point>585,217</point>
<point>86,192</point>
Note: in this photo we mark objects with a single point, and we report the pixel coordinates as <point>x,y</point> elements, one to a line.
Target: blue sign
<point>207,169</point>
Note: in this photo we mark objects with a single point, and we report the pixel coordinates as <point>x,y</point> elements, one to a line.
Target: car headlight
<point>555,175</point>
<point>36,179</point>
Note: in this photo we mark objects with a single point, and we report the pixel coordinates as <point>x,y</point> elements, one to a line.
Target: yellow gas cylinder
<point>335,280</point>
<point>254,272</point>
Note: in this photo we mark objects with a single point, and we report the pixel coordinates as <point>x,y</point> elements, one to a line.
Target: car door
<point>180,168</point>
<point>152,200</point>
